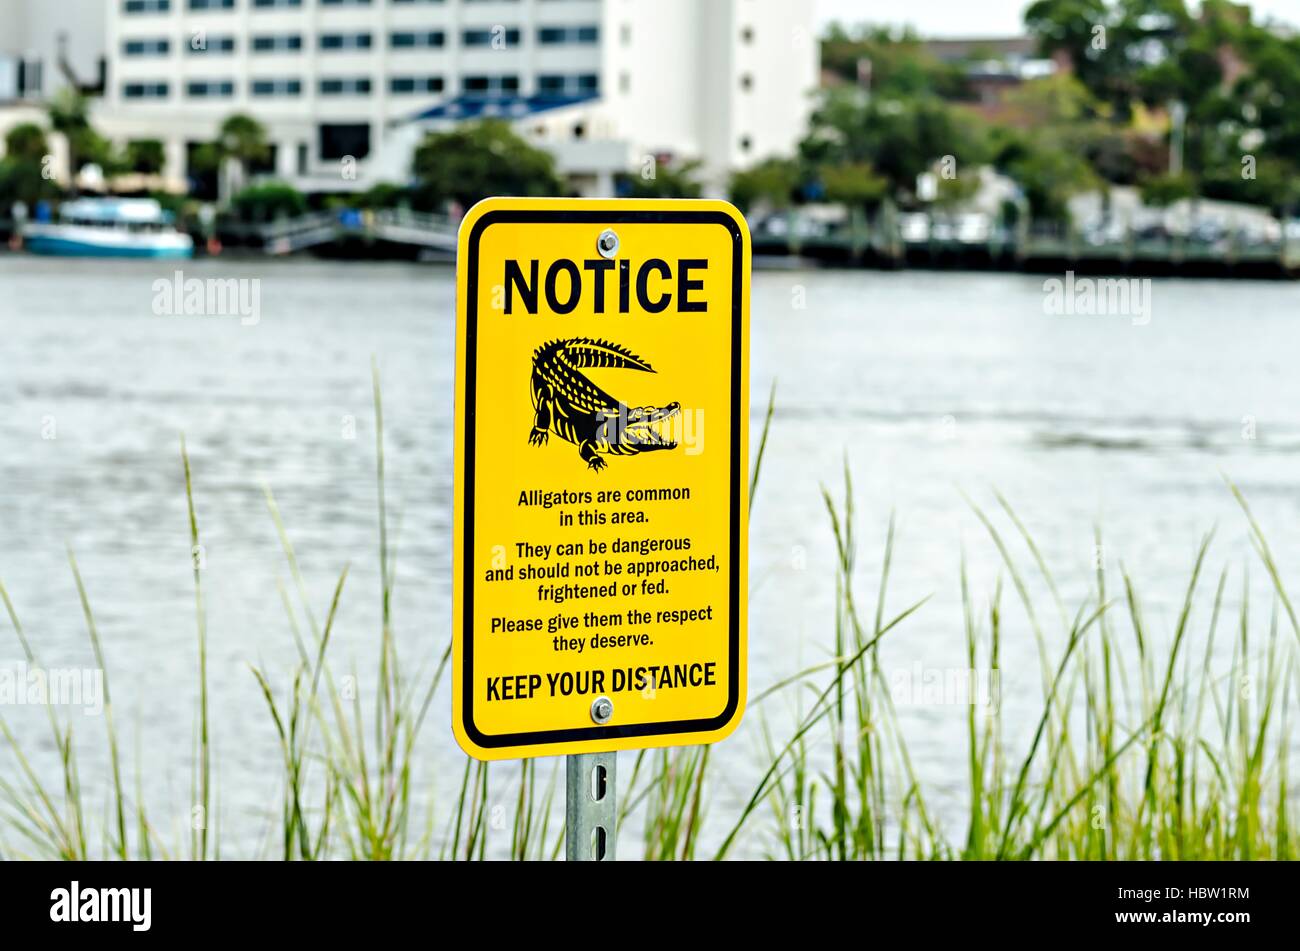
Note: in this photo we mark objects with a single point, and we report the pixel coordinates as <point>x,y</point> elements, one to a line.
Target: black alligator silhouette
<point>575,409</point>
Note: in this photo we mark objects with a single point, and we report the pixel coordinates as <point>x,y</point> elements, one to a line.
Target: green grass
<point>1141,747</point>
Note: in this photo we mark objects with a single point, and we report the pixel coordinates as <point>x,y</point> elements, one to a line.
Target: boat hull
<point>85,243</point>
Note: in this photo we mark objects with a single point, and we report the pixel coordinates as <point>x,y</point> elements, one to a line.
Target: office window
<point>277,43</point>
<point>156,47</point>
<point>277,87</point>
<point>429,39</point>
<point>340,140</point>
<point>345,86</point>
<point>212,4</point>
<point>561,35</point>
<point>276,4</point>
<point>415,85</point>
<point>490,85</point>
<point>345,41</point>
<point>568,85</point>
<point>144,90</point>
<point>146,6</point>
<point>495,37</point>
<point>198,44</point>
<point>210,89</point>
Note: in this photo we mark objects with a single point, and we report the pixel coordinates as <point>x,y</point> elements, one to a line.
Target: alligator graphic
<point>575,409</point>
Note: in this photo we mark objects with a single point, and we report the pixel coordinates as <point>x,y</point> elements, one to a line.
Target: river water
<point>933,387</point>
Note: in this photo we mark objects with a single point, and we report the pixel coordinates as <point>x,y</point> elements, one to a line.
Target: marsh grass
<point>1141,749</point>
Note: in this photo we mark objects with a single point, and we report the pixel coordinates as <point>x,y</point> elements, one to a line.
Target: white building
<point>607,85</point>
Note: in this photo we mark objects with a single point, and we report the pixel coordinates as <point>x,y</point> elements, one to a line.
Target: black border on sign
<point>606,216</point>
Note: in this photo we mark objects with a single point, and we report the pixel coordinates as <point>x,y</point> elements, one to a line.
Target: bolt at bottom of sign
<point>602,709</point>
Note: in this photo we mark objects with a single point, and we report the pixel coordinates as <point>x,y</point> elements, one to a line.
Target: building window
<point>625,34</point>
<point>490,85</point>
<point>398,3</point>
<point>144,91</point>
<point>277,43</point>
<point>343,140</point>
<point>412,85</point>
<point>568,85</point>
<point>277,87</point>
<point>146,6</point>
<point>746,143</point>
<point>210,89</point>
<point>345,41</point>
<point>200,44</point>
<point>747,34</point>
<point>496,37</point>
<point>427,39</point>
<point>158,47</point>
<point>562,35</point>
<point>345,3</point>
<point>276,4</point>
<point>746,82</point>
<point>625,82</point>
<point>212,4</point>
<point>345,86</point>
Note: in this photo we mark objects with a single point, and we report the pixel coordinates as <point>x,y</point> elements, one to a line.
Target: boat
<point>109,228</point>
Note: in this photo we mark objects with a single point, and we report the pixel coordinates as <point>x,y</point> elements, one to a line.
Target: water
<point>930,385</point>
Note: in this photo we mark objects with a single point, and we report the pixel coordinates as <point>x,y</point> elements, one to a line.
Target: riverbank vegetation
<point>1142,747</point>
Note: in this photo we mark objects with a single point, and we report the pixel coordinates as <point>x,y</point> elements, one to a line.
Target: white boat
<point>109,228</point>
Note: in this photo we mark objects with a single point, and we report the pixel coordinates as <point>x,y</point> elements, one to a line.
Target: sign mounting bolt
<point>602,710</point>
<point>607,243</point>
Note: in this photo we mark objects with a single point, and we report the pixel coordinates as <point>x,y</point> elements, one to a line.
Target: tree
<point>899,138</point>
<point>146,156</point>
<point>69,116</point>
<point>23,170</point>
<point>26,142</point>
<point>268,201</point>
<point>478,160</point>
<point>854,185</point>
<point>773,181</point>
<point>666,180</point>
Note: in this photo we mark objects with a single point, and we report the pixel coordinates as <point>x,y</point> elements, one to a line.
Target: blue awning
<point>502,107</point>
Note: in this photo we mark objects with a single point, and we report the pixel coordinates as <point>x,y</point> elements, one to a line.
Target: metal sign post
<point>590,813</point>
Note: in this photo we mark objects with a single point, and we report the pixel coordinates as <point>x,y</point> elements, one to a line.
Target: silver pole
<point>589,810</point>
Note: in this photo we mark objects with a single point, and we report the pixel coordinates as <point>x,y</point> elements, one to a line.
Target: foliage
<point>1161,191</point>
<point>22,170</point>
<point>664,180</point>
<point>268,201</point>
<point>145,156</point>
<point>773,181</point>
<point>478,160</point>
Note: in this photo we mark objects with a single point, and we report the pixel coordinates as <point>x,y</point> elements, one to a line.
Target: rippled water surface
<point>930,385</point>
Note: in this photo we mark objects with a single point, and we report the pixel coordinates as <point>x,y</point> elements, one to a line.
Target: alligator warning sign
<point>600,533</point>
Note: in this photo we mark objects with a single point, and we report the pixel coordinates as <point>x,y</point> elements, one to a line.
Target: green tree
<point>773,181</point>
<point>666,180</point>
<point>268,201</point>
<point>26,142</point>
<point>23,170</point>
<point>854,185</point>
<point>146,156</point>
<point>478,160</point>
<point>242,139</point>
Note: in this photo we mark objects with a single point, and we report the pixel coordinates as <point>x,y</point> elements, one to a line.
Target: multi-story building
<point>346,87</point>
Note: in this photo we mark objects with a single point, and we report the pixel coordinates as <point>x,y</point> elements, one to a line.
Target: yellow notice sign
<point>602,413</point>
